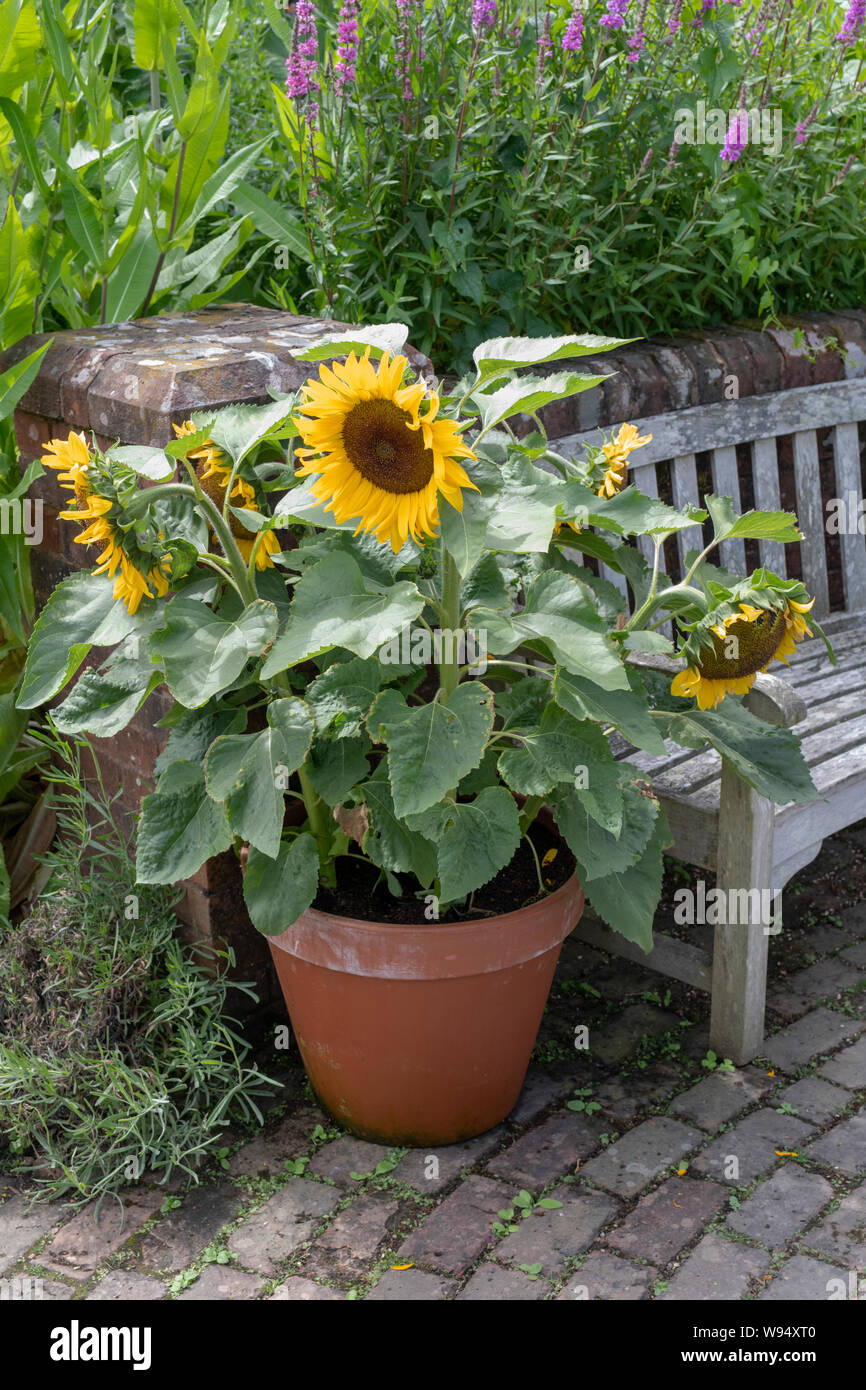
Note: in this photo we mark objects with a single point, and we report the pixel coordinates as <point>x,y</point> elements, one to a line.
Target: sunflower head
<point>738,647</point>
<point>213,470</point>
<point>616,454</point>
<point>380,451</point>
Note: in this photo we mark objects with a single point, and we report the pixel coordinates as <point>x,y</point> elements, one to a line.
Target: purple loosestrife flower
<point>803,126</point>
<point>301,79</point>
<point>404,46</point>
<point>544,47</point>
<point>675,23</point>
<point>637,42</point>
<point>347,46</point>
<point>850,30</point>
<point>736,138</point>
<point>484,15</point>
<point>614,16</point>
<point>573,36</point>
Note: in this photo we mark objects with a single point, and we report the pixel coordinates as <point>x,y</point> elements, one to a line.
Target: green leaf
<point>389,842</point>
<point>596,850</point>
<point>379,338</point>
<point>335,766</point>
<point>341,698</point>
<point>204,653</point>
<point>249,772</point>
<point>497,354</point>
<point>4,886</point>
<point>154,25</point>
<point>17,379</point>
<point>277,891</point>
<point>559,613</point>
<point>630,513</point>
<point>753,525</point>
<point>767,756</point>
<point>146,461</point>
<point>195,731</point>
<point>180,827</point>
<point>549,1204</point>
<point>80,614</point>
<point>129,282</point>
<point>627,899</point>
<point>272,220</point>
<point>484,586</point>
<point>333,607</point>
<point>474,839</point>
<point>239,428</point>
<point>527,394</point>
<point>628,710</point>
<point>103,704</point>
<point>432,746</point>
<point>463,531</point>
<point>523,512</point>
<point>565,749</point>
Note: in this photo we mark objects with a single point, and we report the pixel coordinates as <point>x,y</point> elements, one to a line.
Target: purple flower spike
<point>614,17</point>
<point>736,138</point>
<point>484,15</point>
<point>347,46</point>
<point>853,23</point>
<point>573,36</point>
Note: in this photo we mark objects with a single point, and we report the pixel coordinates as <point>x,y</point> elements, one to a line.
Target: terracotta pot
<point>421,1035</point>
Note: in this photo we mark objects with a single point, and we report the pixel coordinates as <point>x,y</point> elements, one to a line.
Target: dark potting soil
<point>363,893</point>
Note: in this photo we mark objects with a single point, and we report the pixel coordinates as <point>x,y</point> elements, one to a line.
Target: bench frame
<point>744,843</point>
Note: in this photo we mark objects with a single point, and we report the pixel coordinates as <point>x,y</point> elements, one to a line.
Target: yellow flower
<point>616,457</point>
<point>130,584</point>
<point>382,454</point>
<point>269,546</point>
<point>744,644</point>
<point>211,463</point>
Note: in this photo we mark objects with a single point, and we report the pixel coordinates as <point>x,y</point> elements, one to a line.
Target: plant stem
<point>531,808</point>
<point>449,668</point>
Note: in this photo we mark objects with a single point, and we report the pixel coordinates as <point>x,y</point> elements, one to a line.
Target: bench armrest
<point>771,699</point>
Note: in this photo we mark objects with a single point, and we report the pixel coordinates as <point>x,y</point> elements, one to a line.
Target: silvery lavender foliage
<point>347,46</point>
<point>853,23</point>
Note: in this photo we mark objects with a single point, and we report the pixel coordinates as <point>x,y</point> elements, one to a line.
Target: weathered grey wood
<point>727,423</point>
<point>727,484</point>
<point>846,450</point>
<point>677,959</point>
<point>684,485</point>
<point>765,478</point>
<point>745,861</point>
<point>810,515</point>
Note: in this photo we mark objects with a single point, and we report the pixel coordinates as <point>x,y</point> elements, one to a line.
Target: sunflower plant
<point>372,605</point>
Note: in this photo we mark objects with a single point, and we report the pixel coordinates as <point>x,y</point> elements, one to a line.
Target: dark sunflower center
<point>380,444</point>
<point>746,647</point>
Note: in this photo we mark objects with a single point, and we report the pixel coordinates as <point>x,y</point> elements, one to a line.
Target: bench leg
<point>745,861</point>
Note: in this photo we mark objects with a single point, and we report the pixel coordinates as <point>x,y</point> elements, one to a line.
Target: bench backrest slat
<point>846,448</point>
<point>726,483</point>
<point>765,476</point>
<point>810,515</point>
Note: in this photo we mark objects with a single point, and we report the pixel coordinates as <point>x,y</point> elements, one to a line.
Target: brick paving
<point>676,1179</point>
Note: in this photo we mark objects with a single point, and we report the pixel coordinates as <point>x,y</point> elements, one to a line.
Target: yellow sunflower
<point>744,644</point>
<point>616,457</point>
<point>213,470</point>
<point>380,458</point>
<point>130,584</point>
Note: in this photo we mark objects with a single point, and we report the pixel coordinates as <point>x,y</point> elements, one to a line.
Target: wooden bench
<point>717,820</point>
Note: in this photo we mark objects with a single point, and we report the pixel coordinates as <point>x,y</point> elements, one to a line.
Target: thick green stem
<point>449,666</point>
<point>655,601</point>
<point>531,807</point>
<point>242,581</point>
<point>317,813</point>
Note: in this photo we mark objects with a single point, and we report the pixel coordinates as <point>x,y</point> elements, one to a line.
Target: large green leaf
<point>239,428</point>
<point>333,607</point>
<point>560,614</point>
<point>204,653</point>
<point>630,513</point>
<point>432,746</point>
<point>336,765</point>
<point>379,338</point>
<point>103,704</point>
<point>758,526</point>
<point>565,749</point>
<point>767,756</point>
<point>627,898</point>
<point>522,515</point>
<point>342,696</point>
<point>180,827</point>
<point>498,354</point>
<point>155,24</point>
<point>527,394</point>
<point>596,850</point>
<point>17,379</point>
<point>474,839</point>
<point>463,531</point>
<point>194,732</point>
<point>389,842</point>
<point>277,891</point>
<point>627,710</point>
<point>80,614</point>
<point>249,772</point>
<point>272,220</point>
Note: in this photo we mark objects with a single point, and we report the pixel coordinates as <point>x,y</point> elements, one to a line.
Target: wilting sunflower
<point>616,457</point>
<point>213,471</point>
<point>754,637</point>
<point>131,568</point>
<point>382,454</point>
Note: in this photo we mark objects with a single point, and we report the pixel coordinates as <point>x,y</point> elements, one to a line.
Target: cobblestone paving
<point>677,1178</point>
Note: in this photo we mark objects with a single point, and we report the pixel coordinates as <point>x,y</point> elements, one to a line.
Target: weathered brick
<point>267,1154</point>
<point>297,1289</point>
<point>815,1100</point>
<point>539,1091</point>
<point>282,1224</point>
<point>609,1279</point>
<point>410,1286</point>
<point>780,1207</point>
<point>822,1030</point>
<point>624,1096</point>
<point>459,1230</point>
<point>632,1162</point>
<point>716,1269</point>
<point>848,1067</point>
<point>719,1097</point>
<point>804,1279</point>
<point>842,1233</point>
<point>825,979</point>
<point>844,1146</point>
<point>491,1284</point>
<point>666,1220</point>
<point>221,1283</point>
<point>618,1039</point>
<point>550,1237</point>
<point>756,1142</point>
<point>124,1285</point>
<point>342,1157</point>
<point>83,1244</point>
<point>20,1229</point>
<point>415,1165</point>
<point>182,1234</point>
<point>352,1240</point>
<point>551,1151</point>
